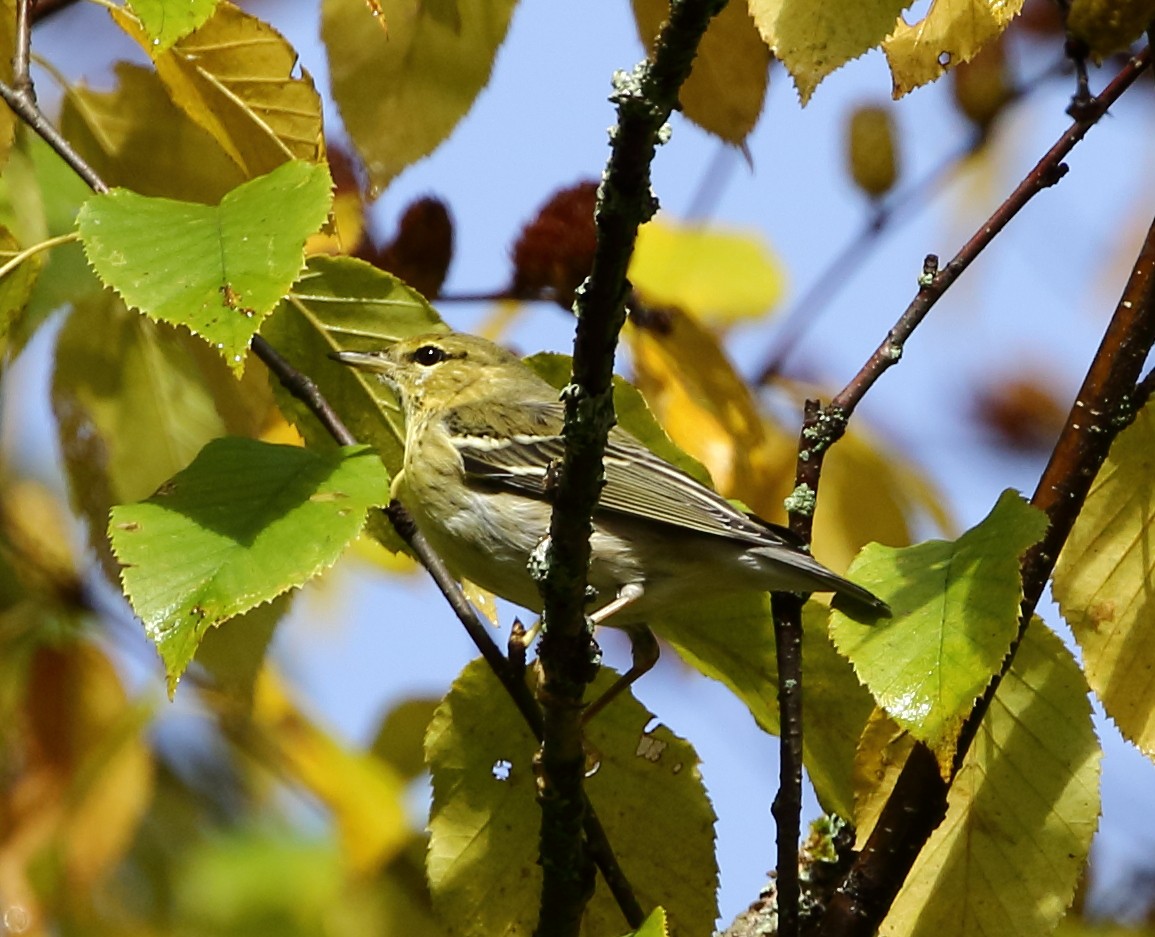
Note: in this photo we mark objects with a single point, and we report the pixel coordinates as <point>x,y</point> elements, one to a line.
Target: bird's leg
<point>643,647</point>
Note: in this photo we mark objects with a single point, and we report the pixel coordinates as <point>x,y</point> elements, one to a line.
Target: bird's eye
<point>429,355</point>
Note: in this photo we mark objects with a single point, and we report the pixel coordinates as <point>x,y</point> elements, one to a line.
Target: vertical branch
<point>644,99</point>
<point>1102,408</point>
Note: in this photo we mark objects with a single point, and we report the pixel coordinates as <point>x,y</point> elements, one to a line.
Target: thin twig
<point>644,99</point>
<point>917,803</point>
<point>305,390</point>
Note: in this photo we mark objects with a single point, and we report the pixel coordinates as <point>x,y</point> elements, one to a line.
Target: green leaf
<point>1103,582</point>
<point>133,406</point>
<point>483,854</point>
<point>1020,814</point>
<point>243,523</point>
<point>814,39</point>
<point>16,286</point>
<point>216,269</point>
<point>344,304</point>
<point>727,86</point>
<point>404,78</point>
<point>654,925</point>
<point>135,136</point>
<point>400,739</point>
<point>718,276</point>
<point>235,77</point>
<point>956,611</point>
<point>165,22</point>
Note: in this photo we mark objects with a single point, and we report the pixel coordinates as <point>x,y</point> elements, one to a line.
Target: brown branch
<point>644,98</point>
<point>1102,408</point>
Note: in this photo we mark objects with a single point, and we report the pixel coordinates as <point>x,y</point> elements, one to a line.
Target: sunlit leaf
<point>1103,577</point>
<point>654,925</point>
<point>235,77</point>
<point>956,610</point>
<point>402,91</point>
<point>216,269</point>
<point>243,523</point>
<point>727,86</point>
<point>165,22</point>
<point>135,136</point>
<point>645,786</point>
<point>814,39</point>
<point>1021,812</point>
<point>952,32</point>
<point>717,275</point>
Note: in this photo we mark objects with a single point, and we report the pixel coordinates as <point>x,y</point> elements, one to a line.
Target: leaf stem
<point>17,259</point>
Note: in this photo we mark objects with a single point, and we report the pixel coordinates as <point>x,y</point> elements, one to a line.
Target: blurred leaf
<point>645,786</point>
<point>1103,582</point>
<point>685,375</point>
<point>135,136</point>
<point>131,407</point>
<point>956,610</point>
<point>235,655</point>
<point>86,773</point>
<point>39,198</point>
<point>364,793</point>
<point>165,22</point>
<point>716,275</point>
<point>727,86</point>
<point>422,75</point>
<point>814,39</point>
<point>234,77</point>
<point>243,523</point>
<point>400,739</point>
<point>869,496</point>
<point>36,543</point>
<point>732,641</point>
<point>218,270</point>
<point>1021,812</point>
<point>1109,26</point>
<point>952,32</point>
<point>16,286</point>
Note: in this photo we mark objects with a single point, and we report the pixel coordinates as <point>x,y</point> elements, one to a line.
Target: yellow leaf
<point>726,89</point>
<point>952,32</point>
<point>363,792</point>
<point>1103,582</point>
<point>717,275</point>
<point>814,39</point>
<point>1021,811</point>
<point>234,77</point>
<point>708,410</point>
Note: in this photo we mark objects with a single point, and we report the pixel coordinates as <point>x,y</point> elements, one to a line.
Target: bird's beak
<point>364,360</point>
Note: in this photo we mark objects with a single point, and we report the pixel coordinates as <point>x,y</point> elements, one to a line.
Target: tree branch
<point>1104,405</point>
<point>644,99</point>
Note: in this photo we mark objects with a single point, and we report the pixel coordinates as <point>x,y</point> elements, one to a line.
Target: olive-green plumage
<point>482,432</point>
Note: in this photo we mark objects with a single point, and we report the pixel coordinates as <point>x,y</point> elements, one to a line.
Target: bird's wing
<point>639,484</point>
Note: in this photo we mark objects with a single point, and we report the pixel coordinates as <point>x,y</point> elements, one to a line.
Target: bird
<point>483,439</point>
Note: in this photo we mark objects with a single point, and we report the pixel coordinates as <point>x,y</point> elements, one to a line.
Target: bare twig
<point>645,99</point>
<point>1103,406</point>
<point>303,388</point>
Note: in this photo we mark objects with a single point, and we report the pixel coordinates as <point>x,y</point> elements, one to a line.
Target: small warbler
<point>483,435</point>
